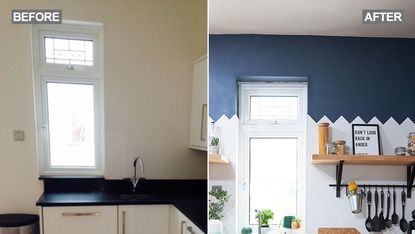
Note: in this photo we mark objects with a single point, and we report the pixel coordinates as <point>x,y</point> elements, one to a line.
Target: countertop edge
<point>41,203</point>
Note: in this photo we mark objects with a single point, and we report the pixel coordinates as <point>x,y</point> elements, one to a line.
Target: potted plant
<point>246,230</point>
<point>217,201</point>
<point>296,223</point>
<point>266,216</point>
<point>214,145</point>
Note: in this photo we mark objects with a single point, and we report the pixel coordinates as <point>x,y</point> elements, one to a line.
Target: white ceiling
<point>307,17</point>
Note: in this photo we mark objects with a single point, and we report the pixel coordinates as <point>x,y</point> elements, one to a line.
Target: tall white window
<point>68,78</point>
<point>272,162</point>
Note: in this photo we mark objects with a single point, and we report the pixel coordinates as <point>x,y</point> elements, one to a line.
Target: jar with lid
<point>341,147</point>
<point>331,148</point>
<point>411,144</point>
<point>323,137</point>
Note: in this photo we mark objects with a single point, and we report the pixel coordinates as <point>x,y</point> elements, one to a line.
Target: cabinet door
<point>180,224</point>
<point>176,226</point>
<point>143,219</point>
<point>191,228</point>
<point>80,220</point>
<point>198,117</point>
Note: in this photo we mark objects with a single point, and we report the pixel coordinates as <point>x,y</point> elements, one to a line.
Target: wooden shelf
<point>363,159</point>
<point>218,159</point>
<point>339,160</point>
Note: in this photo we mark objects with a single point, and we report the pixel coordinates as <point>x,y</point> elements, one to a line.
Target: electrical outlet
<point>18,135</point>
<point>216,188</point>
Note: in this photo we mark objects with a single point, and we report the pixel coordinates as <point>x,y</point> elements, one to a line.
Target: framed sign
<point>366,139</point>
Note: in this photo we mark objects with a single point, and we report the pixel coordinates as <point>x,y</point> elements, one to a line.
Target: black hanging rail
<point>410,177</point>
<point>375,186</point>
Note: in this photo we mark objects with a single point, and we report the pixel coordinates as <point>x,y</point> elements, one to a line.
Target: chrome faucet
<point>135,179</point>
<point>259,220</point>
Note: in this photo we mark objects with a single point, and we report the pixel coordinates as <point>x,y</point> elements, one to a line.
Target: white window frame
<point>71,74</point>
<point>270,129</point>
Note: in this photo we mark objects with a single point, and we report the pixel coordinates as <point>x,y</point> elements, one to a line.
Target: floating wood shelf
<point>363,159</point>
<point>218,159</point>
<point>339,160</point>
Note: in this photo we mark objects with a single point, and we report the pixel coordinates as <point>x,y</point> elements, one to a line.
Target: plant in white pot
<point>214,147</point>
<point>217,201</point>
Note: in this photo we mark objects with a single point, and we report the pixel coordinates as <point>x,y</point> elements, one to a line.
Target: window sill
<point>44,177</point>
<point>278,230</point>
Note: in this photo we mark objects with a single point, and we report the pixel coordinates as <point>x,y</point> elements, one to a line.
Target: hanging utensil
<point>376,221</point>
<point>381,218</point>
<point>368,223</point>
<point>403,224</point>
<point>395,218</point>
<point>388,222</point>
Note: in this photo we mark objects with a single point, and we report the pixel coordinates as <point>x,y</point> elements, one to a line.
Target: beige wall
<point>149,48</point>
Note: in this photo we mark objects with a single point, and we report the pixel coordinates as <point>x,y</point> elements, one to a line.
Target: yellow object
<point>352,186</point>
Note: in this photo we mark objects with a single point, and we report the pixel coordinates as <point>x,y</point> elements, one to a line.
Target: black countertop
<point>191,203</point>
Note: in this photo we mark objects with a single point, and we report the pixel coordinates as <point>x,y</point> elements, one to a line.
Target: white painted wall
<point>225,174</point>
<point>323,208</point>
<point>149,48</point>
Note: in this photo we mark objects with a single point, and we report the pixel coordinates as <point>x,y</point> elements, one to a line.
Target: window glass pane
<point>88,51</point>
<point>49,48</point>
<point>69,51</point>
<point>71,124</point>
<point>273,177</point>
<point>274,107</point>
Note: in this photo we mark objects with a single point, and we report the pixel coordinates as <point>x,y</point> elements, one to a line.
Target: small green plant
<point>266,216</point>
<point>297,219</point>
<point>296,223</point>
<point>214,141</point>
<point>217,200</point>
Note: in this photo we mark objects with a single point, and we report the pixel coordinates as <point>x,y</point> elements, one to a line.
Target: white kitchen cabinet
<point>143,219</point>
<point>180,224</point>
<point>80,220</point>
<point>198,115</point>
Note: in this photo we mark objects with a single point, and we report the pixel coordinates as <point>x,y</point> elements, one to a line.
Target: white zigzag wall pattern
<point>323,209</point>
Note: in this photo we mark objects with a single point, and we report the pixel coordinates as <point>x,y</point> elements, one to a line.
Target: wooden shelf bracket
<point>339,172</point>
<point>339,160</point>
<point>410,175</point>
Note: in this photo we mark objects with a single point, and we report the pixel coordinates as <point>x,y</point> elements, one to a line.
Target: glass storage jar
<point>411,144</point>
<point>341,147</point>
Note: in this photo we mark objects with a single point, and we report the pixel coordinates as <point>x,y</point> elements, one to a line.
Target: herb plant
<point>266,216</point>
<point>214,141</point>
<point>217,200</point>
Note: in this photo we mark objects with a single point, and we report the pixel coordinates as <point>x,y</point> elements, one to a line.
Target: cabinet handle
<point>202,126</point>
<point>123,222</point>
<point>190,230</point>
<point>81,214</point>
<point>181,227</point>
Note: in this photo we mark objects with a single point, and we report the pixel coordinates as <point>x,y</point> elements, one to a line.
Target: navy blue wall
<point>347,76</point>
